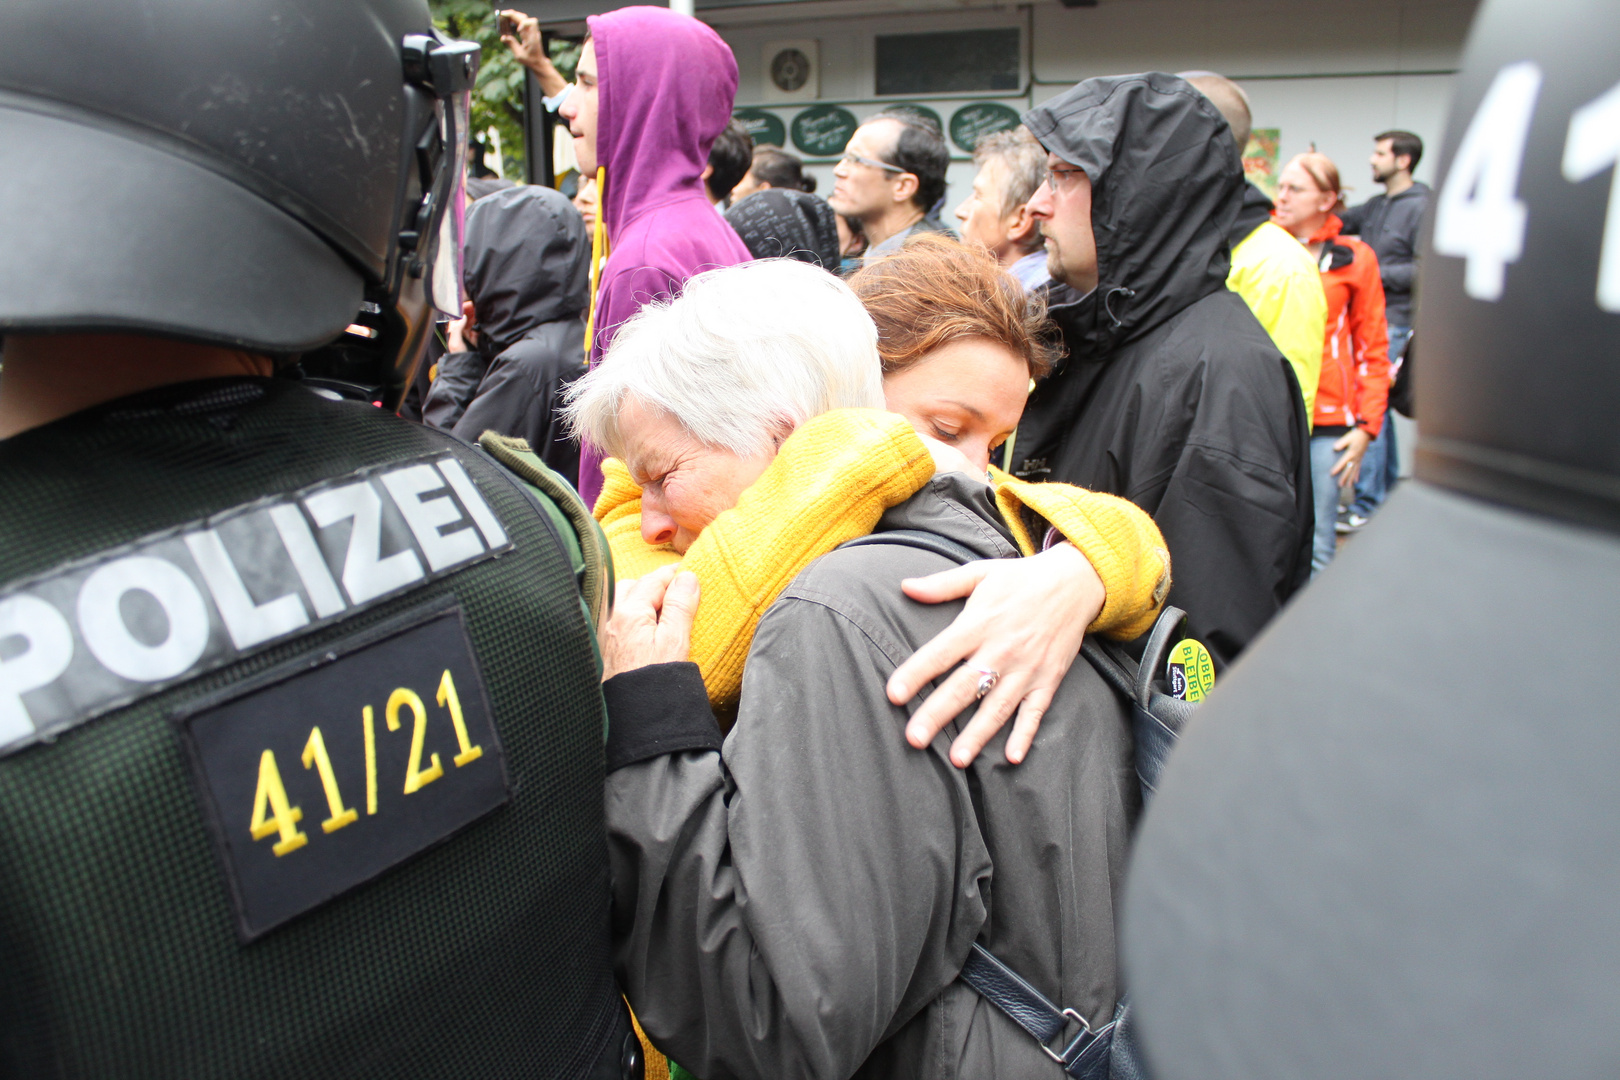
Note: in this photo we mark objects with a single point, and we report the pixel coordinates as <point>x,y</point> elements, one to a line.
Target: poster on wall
<point>973,122</point>
<point>765,128</point>
<point>1260,159</point>
<point>921,110</point>
<point>822,131</point>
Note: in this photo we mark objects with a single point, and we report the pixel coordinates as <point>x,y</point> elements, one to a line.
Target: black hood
<point>777,222</point>
<point>527,264</point>
<point>1166,183</point>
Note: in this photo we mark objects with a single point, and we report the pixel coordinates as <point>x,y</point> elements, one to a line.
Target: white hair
<point>742,351</point>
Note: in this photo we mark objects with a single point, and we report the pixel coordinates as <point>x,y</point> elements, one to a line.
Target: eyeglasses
<point>1064,179</point>
<point>871,163</point>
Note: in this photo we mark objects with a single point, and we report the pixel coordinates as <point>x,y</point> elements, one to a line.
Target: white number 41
<point>1479,216</point>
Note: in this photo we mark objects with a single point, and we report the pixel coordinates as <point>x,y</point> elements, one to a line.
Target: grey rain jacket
<point>527,273</point>
<point>1390,227</point>
<point>801,905</point>
<point>1171,393</point>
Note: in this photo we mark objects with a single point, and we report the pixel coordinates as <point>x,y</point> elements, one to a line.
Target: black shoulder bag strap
<point>1157,720</point>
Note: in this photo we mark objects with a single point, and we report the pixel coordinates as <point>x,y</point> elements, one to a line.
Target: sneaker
<point>1349,522</point>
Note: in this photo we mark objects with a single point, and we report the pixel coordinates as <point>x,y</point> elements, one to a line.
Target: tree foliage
<point>497,100</point>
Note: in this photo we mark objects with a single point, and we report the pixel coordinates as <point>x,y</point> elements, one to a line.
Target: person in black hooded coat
<point>777,222</point>
<point>527,274</point>
<point>1170,393</point>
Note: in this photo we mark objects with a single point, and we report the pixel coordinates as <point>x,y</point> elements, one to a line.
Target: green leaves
<point>497,100</point>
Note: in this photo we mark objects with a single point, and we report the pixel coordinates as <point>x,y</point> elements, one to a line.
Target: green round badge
<point>823,130</point>
<point>1190,671</point>
<point>973,122</point>
<point>765,128</point>
<point>921,110</point>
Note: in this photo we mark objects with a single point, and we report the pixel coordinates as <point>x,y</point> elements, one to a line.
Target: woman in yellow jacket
<point>960,348</point>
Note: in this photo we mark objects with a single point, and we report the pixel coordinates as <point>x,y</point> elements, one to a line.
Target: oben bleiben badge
<point>1190,671</point>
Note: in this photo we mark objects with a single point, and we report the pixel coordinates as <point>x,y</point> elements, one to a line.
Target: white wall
<point>1332,72</point>
<point>847,72</point>
<point>1325,71</point>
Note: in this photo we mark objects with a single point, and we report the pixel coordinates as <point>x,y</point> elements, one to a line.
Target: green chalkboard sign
<point>765,128</point>
<point>823,130</point>
<point>973,122</point>
<point>923,111</point>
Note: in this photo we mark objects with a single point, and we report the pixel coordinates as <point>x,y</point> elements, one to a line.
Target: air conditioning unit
<point>791,70</point>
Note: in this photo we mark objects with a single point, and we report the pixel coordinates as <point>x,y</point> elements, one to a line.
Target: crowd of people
<point>1163,391</point>
<point>866,485</point>
<point>1130,364</point>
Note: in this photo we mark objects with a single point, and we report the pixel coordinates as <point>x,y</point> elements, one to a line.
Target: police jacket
<point>800,904</point>
<point>1170,393</point>
<point>300,751</point>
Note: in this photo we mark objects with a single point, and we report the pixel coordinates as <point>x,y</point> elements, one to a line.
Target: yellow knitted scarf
<point>831,481</point>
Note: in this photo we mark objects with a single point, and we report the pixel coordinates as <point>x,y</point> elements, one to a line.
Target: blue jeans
<point>1381,465</point>
<point>1325,487</point>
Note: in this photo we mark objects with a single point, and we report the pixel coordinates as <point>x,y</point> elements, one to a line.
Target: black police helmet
<point>249,174</point>
<point>1388,847</point>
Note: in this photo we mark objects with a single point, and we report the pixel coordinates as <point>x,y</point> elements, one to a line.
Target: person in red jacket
<point>1354,386</point>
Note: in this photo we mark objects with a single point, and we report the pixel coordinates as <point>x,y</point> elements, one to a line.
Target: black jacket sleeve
<point>521,395</point>
<point>655,710</point>
<point>452,388</point>
<point>752,943</point>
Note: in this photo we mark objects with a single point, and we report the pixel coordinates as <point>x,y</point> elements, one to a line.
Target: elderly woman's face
<point>968,393</point>
<point>685,484</point>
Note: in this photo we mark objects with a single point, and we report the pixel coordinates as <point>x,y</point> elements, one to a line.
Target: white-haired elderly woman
<point>802,906</point>
<point>775,350</point>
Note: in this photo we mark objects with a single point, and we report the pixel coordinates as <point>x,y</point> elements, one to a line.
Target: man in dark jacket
<point>1170,394</point>
<point>1388,224</point>
<point>527,271</point>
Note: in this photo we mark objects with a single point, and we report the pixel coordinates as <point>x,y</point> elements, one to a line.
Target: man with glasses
<point>891,177</point>
<point>1171,393</point>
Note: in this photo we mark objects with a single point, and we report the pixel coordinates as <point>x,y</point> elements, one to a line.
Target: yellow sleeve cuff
<point>830,482</point>
<point>1120,541</point>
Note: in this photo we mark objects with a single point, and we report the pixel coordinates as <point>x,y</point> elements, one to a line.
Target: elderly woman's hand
<point>1024,620</point>
<point>651,622</point>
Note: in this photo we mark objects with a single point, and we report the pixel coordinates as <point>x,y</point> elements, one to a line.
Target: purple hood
<point>667,86</point>
<point>668,83</point>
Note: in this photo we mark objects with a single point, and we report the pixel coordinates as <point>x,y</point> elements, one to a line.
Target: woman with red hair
<point>1354,386</point>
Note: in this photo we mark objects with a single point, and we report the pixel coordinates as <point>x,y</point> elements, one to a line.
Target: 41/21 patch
<point>327,772</point>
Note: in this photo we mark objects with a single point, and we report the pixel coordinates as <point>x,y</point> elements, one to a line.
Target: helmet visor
<point>444,283</point>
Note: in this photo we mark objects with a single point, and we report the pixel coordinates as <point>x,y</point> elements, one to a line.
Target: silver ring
<point>988,677</point>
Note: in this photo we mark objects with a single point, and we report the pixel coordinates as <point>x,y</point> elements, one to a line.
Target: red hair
<point>935,290</point>
<point>1323,173</point>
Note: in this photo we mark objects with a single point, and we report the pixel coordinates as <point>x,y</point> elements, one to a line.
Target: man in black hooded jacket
<point>527,273</point>
<point>1170,393</point>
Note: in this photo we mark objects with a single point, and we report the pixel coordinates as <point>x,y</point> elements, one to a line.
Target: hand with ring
<point>988,677</point>
<point>1015,639</point>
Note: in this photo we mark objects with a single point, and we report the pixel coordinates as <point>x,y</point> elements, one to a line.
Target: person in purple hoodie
<point>653,90</point>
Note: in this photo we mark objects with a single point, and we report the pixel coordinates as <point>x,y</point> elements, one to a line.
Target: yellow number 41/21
<point>273,812</point>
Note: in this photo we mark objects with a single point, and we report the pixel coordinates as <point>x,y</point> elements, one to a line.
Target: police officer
<point>300,725</point>
<point>1421,880</point>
